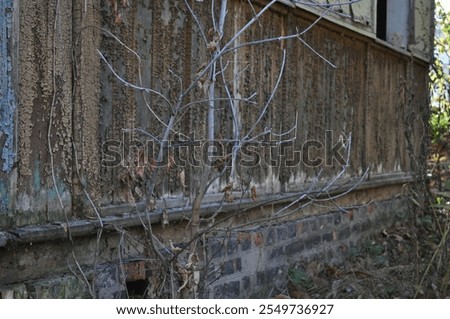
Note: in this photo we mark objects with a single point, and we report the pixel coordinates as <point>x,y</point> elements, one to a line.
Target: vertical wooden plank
<point>44,111</point>
<point>7,110</point>
<point>86,113</point>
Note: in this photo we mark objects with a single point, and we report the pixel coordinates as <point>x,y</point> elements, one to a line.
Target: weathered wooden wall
<point>69,102</point>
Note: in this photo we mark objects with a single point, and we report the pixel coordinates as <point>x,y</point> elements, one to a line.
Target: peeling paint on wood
<point>7,94</point>
<point>60,73</point>
<point>7,106</point>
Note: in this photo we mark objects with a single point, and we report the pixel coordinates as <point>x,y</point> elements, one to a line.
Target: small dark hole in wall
<point>137,289</point>
<point>381,19</point>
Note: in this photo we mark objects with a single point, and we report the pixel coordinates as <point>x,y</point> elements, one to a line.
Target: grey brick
<point>238,265</point>
<point>271,274</point>
<point>267,276</point>
<point>361,212</point>
<point>276,253</point>
<point>291,230</point>
<point>287,231</point>
<point>356,228</point>
<point>302,227</point>
<point>366,225</point>
<point>294,248</point>
<point>312,241</point>
<point>227,268</point>
<point>230,267</point>
<point>260,278</point>
<point>344,233</point>
<point>313,225</point>
<point>330,218</point>
<point>337,219</point>
<point>232,246</point>
<point>271,236</point>
<point>245,241</point>
<point>215,247</point>
<point>246,282</point>
<point>282,232</point>
<point>343,250</point>
<point>327,237</point>
<point>219,292</point>
<point>232,289</point>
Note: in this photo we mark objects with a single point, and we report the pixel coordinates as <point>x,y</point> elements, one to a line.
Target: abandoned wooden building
<point>200,148</point>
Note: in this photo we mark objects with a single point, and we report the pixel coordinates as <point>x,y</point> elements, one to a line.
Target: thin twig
<point>200,27</point>
<point>50,125</point>
<point>441,244</point>
<point>84,187</point>
<point>272,95</point>
<point>131,85</point>
<point>317,53</point>
<point>225,48</point>
<point>280,38</point>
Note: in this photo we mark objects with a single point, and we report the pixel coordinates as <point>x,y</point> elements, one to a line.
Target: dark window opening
<point>137,289</point>
<point>381,19</point>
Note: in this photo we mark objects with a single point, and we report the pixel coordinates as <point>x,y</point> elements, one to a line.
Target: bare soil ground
<point>405,261</point>
<point>401,262</point>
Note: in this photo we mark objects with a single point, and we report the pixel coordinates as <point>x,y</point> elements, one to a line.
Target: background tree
<point>440,95</point>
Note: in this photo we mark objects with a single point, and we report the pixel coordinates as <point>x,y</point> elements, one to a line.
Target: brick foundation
<point>255,263</point>
<point>242,264</point>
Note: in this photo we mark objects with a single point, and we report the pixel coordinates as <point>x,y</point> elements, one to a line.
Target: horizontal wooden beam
<point>133,216</point>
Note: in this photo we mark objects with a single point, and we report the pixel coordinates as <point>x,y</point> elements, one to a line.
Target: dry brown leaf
<point>164,218</point>
<point>227,188</point>
<point>212,46</point>
<point>228,197</point>
<point>118,18</point>
<point>151,205</point>
<point>253,195</point>
<point>182,179</point>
